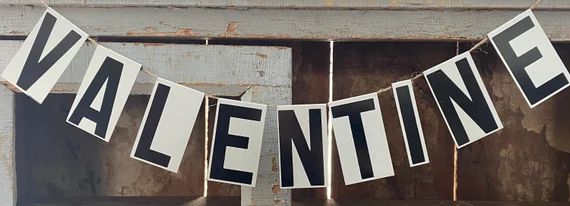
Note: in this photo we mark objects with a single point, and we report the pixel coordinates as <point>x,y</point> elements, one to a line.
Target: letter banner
<point>103,93</point>
<point>361,139</point>
<point>167,125</point>
<point>44,55</point>
<point>530,58</point>
<point>302,145</point>
<point>236,144</point>
<point>463,99</point>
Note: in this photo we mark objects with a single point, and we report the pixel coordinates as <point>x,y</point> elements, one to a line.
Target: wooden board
<point>529,159</point>
<point>304,4</point>
<point>281,23</point>
<point>267,191</point>
<point>353,4</point>
<point>199,66</point>
<point>361,68</point>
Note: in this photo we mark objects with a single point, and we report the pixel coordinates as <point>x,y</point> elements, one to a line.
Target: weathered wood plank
<point>267,190</point>
<point>219,70</point>
<point>529,159</point>
<point>316,24</point>
<point>353,4</point>
<point>361,68</point>
<point>7,153</point>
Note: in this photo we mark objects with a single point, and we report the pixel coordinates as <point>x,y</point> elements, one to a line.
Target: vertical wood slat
<point>525,161</point>
<point>267,190</point>
<point>361,68</point>
<point>7,152</point>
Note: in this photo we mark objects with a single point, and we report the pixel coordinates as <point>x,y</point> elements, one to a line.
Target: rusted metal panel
<point>7,153</point>
<point>361,68</point>
<point>282,23</point>
<point>529,159</point>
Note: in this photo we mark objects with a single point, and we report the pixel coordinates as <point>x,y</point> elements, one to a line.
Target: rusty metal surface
<point>528,159</point>
<point>361,68</point>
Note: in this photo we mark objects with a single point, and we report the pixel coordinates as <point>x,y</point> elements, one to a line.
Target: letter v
<point>34,68</point>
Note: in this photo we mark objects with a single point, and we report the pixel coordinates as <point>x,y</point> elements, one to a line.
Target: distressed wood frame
<point>256,73</point>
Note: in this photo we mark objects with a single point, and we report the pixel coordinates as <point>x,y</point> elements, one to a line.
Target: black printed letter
<point>34,68</point>
<point>517,64</point>
<point>109,72</point>
<point>224,139</point>
<point>143,149</point>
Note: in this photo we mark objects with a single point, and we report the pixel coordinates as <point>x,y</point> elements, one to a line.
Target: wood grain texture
<point>361,68</point>
<point>267,190</point>
<point>528,159</point>
<point>7,153</point>
<point>353,4</point>
<point>196,65</point>
<point>309,24</point>
<point>216,69</point>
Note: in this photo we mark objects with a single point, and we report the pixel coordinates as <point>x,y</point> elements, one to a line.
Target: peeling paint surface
<point>524,161</point>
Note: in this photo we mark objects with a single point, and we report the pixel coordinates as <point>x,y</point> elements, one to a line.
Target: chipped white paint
<point>7,161</point>
<point>267,190</point>
<point>452,24</point>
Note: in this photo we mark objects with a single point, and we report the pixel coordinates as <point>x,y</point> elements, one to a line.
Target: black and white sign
<point>361,139</point>
<point>44,55</point>
<point>530,58</point>
<point>302,145</point>
<point>236,144</point>
<point>167,125</point>
<point>410,123</point>
<point>103,93</point>
<point>463,99</point>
